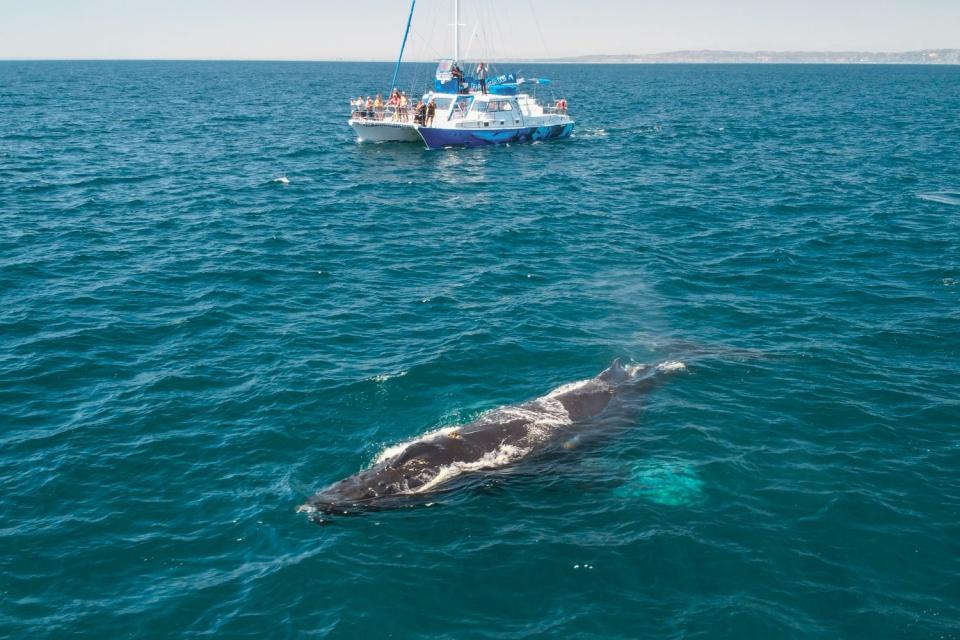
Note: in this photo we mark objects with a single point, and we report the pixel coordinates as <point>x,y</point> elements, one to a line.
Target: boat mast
<point>403,45</point>
<point>456,30</point>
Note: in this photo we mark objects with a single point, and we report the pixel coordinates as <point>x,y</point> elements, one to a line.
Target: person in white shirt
<point>482,76</point>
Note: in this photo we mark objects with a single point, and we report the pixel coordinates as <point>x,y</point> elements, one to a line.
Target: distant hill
<point>926,56</point>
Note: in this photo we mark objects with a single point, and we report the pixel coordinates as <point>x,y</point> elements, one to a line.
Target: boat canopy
<point>503,85</point>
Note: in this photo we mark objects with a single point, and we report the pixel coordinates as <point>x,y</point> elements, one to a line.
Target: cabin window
<point>494,106</point>
<point>460,107</point>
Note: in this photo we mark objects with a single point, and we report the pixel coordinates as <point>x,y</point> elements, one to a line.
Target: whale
<point>408,473</point>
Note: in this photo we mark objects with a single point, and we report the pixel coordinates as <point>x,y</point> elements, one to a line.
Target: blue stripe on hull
<point>439,138</point>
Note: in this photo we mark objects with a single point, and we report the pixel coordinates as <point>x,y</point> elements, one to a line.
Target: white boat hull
<point>385,131</point>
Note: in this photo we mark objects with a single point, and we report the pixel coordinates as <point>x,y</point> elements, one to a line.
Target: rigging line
<point>429,46</point>
<point>543,42</point>
<point>426,72</point>
<point>500,33</point>
<point>420,75</point>
<point>487,41</point>
<point>414,72</point>
<point>433,27</point>
<point>482,22</point>
<point>470,41</point>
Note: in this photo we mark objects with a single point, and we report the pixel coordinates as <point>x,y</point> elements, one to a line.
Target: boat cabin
<point>485,110</point>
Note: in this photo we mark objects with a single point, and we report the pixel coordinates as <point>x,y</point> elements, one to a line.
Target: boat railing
<point>555,110</point>
<point>385,114</point>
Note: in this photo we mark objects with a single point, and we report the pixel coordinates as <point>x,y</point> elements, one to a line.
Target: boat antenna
<point>403,45</point>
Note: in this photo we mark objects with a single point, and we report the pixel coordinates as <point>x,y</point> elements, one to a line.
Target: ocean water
<point>213,303</point>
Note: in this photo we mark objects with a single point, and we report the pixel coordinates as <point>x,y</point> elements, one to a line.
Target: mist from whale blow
<point>500,437</point>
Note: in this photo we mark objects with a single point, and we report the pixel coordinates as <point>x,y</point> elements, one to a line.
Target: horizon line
<point>551,60</point>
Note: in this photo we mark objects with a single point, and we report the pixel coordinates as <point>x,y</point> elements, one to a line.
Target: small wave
<point>383,377</point>
<point>284,180</point>
<point>592,133</point>
<point>942,197</point>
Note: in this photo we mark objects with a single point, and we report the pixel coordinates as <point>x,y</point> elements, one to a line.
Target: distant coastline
<point>708,56</point>
<point>702,56</point>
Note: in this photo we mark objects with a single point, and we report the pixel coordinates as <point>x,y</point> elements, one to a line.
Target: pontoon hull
<point>437,138</point>
<point>384,131</point>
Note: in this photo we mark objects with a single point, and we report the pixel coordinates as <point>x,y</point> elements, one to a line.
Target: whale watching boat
<point>462,110</point>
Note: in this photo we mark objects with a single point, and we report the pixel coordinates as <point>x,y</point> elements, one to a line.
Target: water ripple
<point>213,301</point>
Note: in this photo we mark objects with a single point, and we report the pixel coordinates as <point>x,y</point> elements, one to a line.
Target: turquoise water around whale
<point>190,346</point>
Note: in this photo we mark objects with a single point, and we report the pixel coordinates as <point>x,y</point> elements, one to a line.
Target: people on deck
<point>419,112</point>
<point>368,107</point>
<point>431,111</point>
<point>457,73</point>
<point>482,76</point>
<point>403,104</point>
<point>378,106</point>
<point>562,105</point>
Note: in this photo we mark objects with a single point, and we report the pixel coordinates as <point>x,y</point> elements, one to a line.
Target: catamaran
<point>464,110</point>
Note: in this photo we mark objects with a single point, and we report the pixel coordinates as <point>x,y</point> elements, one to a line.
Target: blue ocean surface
<point>214,302</point>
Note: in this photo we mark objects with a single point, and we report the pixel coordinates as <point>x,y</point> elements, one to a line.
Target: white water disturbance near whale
<point>942,197</point>
<point>394,451</point>
<point>542,417</point>
<point>500,457</point>
<point>671,366</point>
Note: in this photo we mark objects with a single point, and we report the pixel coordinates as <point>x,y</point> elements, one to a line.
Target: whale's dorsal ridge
<point>614,372</point>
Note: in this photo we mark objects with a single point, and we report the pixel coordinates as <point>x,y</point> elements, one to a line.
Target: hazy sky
<point>371,29</point>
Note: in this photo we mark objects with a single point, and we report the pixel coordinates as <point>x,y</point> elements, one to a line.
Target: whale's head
<point>378,487</point>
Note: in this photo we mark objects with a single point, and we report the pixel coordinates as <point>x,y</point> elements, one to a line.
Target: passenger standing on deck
<point>458,76</point>
<point>394,102</point>
<point>368,107</point>
<point>420,112</point>
<point>431,111</point>
<point>378,106</point>
<point>403,105</point>
<point>482,76</point>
